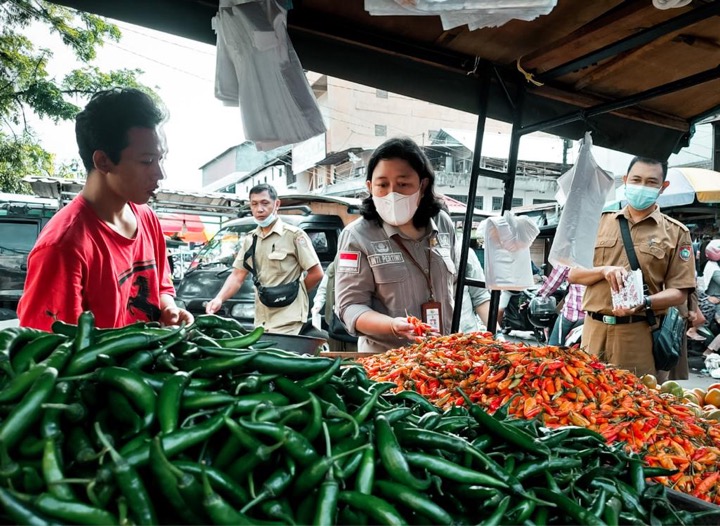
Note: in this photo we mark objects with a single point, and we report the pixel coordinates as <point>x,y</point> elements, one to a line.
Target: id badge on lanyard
<point>432,315</point>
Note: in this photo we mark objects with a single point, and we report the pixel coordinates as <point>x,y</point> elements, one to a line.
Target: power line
<point>161,63</point>
<point>126,27</point>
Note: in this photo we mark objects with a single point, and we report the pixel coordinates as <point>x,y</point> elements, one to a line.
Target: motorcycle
<point>528,312</point>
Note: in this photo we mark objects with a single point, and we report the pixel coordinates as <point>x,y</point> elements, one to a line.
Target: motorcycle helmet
<point>712,250</point>
<point>541,311</point>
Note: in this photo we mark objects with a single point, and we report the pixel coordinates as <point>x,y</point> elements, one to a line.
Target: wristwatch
<point>648,303</point>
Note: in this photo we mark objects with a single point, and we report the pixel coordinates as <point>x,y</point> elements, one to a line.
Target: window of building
<point>381,94</point>
<point>380,130</point>
<point>498,201</point>
<point>543,201</point>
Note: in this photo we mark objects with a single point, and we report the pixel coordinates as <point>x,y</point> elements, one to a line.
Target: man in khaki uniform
<point>283,252</point>
<point>623,337</point>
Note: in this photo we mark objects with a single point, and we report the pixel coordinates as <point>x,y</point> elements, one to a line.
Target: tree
<point>27,86</point>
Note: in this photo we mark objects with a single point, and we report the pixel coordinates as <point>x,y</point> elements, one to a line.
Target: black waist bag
<point>667,340</point>
<point>277,296</point>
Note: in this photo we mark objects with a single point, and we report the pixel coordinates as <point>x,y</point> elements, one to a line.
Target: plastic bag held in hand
<point>507,252</point>
<point>582,194</point>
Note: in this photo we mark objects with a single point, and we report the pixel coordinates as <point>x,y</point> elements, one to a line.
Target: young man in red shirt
<point>105,251</point>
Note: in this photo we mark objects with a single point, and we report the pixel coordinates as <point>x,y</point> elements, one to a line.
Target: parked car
<point>321,218</point>
<point>21,219</point>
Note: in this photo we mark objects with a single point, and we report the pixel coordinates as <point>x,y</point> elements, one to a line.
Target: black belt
<point>616,320</point>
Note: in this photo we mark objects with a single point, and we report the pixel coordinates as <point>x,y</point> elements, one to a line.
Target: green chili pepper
<point>130,485</point>
<point>177,441</point>
<point>72,512</point>
<point>209,367</point>
<point>297,446</point>
<point>311,382</point>
<point>219,511</point>
<point>535,467</point>
<point>413,500</point>
<point>222,483</point>
<point>505,432</point>
<point>568,506</point>
<point>244,341</point>
<point>14,337</point>
<point>80,446</point>
<point>328,393</point>
<point>117,346</point>
<point>327,502</point>
<point>376,508</point>
<point>53,471</point>
<point>19,512</point>
<point>449,470</point>
<point>213,321</point>
<point>339,430</point>
<point>125,413</point>
<point>169,400</point>
<point>392,456</point>
<point>35,351</point>
<point>291,365</point>
<point>278,481</point>
<point>84,336</point>
<point>278,509</point>
<point>130,384</point>
<point>499,514</point>
<point>365,479</point>
<point>27,411</point>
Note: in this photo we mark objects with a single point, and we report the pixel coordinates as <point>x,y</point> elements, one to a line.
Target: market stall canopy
<point>188,227</point>
<point>639,77</point>
<point>687,186</point>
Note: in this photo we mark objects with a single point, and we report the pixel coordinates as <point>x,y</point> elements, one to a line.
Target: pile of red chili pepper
<point>561,387</point>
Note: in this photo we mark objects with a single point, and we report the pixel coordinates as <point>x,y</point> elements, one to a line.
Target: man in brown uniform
<point>623,337</point>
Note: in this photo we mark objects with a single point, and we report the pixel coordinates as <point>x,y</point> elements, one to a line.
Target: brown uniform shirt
<point>664,251</point>
<point>663,248</point>
<point>282,256</point>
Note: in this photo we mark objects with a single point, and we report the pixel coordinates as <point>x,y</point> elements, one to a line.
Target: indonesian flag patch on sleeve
<point>349,262</point>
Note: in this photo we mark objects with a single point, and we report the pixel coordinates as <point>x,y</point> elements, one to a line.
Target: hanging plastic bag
<point>582,193</point>
<point>507,252</point>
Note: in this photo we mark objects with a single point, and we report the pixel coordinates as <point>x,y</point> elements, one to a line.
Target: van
<point>21,219</point>
<point>322,219</point>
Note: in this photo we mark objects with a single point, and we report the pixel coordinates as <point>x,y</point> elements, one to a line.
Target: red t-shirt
<point>79,263</point>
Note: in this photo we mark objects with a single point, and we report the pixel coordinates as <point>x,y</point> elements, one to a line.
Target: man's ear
<point>664,186</point>
<point>368,185</point>
<point>102,162</point>
<point>624,179</point>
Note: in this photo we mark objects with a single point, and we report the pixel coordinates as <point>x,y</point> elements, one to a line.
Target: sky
<point>200,128</point>
<point>182,72</point>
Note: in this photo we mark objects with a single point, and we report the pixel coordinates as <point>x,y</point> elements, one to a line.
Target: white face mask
<point>267,221</point>
<point>397,209</point>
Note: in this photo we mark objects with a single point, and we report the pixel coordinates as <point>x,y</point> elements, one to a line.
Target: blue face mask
<point>641,197</point>
<point>267,221</point>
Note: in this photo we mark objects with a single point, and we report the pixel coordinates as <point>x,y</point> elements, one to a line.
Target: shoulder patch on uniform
<point>685,252</point>
<point>348,262</point>
<point>300,241</point>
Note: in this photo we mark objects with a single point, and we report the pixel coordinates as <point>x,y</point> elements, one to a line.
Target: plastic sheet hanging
<point>257,69</point>
<point>507,252</point>
<point>582,193</point>
<point>453,13</point>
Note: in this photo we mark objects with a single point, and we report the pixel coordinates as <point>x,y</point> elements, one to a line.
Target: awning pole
<point>483,95</point>
<point>515,137</point>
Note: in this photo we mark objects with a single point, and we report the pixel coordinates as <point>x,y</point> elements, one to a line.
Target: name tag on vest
<point>385,259</point>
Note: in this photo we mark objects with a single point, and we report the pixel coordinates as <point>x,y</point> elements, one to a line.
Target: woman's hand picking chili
<point>402,329</point>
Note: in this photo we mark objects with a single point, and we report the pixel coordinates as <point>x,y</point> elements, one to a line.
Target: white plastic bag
<point>507,252</point>
<point>582,191</point>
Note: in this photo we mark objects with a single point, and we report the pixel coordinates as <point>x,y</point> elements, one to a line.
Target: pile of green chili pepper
<point>208,424</point>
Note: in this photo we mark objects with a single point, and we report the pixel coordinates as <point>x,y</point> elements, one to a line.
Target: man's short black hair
<point>406,149</point>
<point>648,160</point>
<point>264,187</point>
<point>104,123</point>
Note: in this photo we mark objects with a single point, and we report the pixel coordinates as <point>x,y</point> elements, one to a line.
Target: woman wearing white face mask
<point>398,259</point>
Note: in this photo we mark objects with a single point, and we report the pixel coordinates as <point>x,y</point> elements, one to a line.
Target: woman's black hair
<point>406,149</point>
